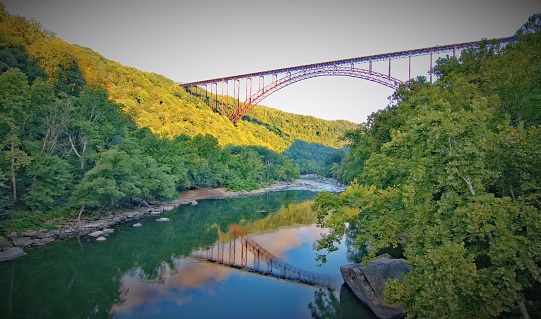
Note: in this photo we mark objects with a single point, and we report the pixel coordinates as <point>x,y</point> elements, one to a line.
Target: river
<point>150,271</point>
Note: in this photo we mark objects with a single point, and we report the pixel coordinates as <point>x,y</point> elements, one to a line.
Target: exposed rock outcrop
<point>368,283</point>
<point>11,253</point>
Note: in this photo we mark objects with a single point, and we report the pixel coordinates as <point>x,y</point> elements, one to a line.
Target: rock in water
<point>11,253</point>
<point>96,234</point>
<point>137,225</point>
<point>367,283</point>
<point>163,219</point>
<point>101,238</point>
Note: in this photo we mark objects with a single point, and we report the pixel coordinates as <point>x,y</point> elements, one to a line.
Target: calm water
<point>147,272</point>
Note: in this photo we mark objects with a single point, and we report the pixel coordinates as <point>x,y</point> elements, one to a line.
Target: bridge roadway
<point>256,259</point>
<point>283,77</point>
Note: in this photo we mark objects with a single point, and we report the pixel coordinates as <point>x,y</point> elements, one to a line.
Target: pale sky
<point>197,40</point>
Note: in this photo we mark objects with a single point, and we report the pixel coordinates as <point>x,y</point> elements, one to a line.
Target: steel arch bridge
<point>256,90</point>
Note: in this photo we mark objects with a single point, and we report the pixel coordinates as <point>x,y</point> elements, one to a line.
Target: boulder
<point>22,242</point>
<point>4,244</point>
<point>133,215</point>
<point>101,238</point>
<point>154,213</point>
<point>137,225</point>
<point>97,233</point>
<point>367,283</point>
<point>82,231</point>
<point>55,232</point>
<point>163,219</point>
<point>140,203</point>
<point>11,253</point>
<point>28,233</point>
<point>43,241</point>
<point>167,208</point>
<point>45,234</point>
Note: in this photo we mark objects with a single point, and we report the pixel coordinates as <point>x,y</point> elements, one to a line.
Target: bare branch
<point>469,182</point>
<point>73,146</point>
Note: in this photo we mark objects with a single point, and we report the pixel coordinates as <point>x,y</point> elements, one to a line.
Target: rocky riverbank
<point>16,243</point>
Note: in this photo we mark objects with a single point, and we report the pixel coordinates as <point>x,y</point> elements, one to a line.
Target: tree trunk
<point>523,310</point>
<point>13,179</point>
<point>80,213</point>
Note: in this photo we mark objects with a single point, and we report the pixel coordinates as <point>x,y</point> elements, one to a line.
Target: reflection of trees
<point>88,281</point>
<point>288,214</point>
<point>327,306</point>
<point>354,253</point>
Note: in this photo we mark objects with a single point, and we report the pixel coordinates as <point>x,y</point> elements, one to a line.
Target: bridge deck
<point>357,60</point>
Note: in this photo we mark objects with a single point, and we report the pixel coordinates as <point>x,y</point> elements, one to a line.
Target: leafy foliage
<point>450,173</point>
<point>81,134</point>
<point>309,158</point>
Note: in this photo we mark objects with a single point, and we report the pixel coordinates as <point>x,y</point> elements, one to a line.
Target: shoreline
<point>310,184</point>
<point>99,227</point>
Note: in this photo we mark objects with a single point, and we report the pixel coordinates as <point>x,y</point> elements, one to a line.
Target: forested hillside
<point>450,173</point>
<point>160,104</point>
<point>81,135</point>
<point>156,102</point>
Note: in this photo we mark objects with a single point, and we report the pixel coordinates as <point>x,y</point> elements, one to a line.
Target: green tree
<point>14,94</point>
<point>532,26</point>
<point>155,182</point>
<point>111,182</point>
<point>430,190</point>
<point>6,203</point>
<point>51,181</point>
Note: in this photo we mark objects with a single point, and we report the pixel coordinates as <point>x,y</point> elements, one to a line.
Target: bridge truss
<point>244,253</point>
<point>255,89</point>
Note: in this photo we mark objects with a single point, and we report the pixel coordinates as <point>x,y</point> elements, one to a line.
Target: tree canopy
<point>81,135</point>
<point>449,172</point>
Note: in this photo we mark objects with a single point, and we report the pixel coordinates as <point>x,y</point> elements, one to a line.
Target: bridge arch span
<point>287,76</point>
<point>308,73</point>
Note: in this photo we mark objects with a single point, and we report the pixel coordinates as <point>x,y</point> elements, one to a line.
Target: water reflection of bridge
<point>242,252</point>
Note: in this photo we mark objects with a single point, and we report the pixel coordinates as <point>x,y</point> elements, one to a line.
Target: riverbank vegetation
<point>82,135</point>
<point>450,172</point>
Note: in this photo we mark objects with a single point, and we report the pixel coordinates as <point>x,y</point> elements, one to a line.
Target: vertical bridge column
<point>409,67</point>
<point>389,73</point>
<point>430,70</point>
<point>236,94</point>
